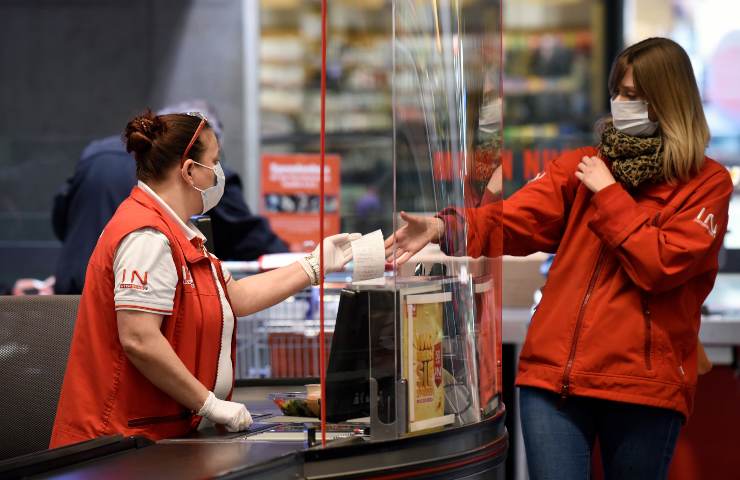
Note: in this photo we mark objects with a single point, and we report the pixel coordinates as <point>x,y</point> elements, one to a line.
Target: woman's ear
<point>186,171</point>
<point>651,113</point>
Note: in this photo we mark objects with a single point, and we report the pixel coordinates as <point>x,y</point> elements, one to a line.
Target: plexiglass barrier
<point>421,348</point>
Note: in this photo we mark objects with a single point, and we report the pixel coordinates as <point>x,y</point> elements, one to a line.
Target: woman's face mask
<point>212,195</point>
<point>631,118</point>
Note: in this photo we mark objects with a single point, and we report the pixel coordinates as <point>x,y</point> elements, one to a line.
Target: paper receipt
<point>368,256</point>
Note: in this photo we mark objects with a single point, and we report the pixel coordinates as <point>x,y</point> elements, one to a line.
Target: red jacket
<point>620,312</point>
<point>103,392</point>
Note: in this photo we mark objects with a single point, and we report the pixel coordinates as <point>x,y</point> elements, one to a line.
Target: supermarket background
<point>74,71</point>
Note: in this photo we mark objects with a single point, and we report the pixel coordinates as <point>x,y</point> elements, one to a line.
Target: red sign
<point>290,197</point>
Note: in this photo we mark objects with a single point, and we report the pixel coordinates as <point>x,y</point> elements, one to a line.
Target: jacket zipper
<point>565,384</point>
<point>648,350</point>
<point>648,333</point>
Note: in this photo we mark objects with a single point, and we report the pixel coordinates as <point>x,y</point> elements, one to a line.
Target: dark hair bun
<point>142,131</point>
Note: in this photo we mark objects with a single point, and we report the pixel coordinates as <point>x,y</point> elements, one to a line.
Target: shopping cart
<point>283,341</point>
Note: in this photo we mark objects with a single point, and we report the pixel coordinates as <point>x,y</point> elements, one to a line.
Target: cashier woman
<point>154,344</point>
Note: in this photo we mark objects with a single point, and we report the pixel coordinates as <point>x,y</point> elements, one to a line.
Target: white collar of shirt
<point>190,230</point>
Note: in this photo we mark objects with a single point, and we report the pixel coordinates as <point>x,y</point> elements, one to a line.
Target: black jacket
<point>103,178</point>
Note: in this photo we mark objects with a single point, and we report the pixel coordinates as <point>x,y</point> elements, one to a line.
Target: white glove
<point>337,252</point>
<point>233,415</point>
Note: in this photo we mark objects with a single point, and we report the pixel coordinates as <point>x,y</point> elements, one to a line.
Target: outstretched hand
<point>412,237</point>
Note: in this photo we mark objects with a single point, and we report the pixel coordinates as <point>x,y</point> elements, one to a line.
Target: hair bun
<point>142,131</point>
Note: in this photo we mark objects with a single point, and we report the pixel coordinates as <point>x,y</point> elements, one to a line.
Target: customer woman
<point>637,224</point>
<point>154,344</point>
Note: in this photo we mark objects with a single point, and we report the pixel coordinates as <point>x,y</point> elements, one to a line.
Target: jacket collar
<point>187,236</point>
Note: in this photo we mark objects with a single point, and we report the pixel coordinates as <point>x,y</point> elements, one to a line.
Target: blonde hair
<point>663,76</point>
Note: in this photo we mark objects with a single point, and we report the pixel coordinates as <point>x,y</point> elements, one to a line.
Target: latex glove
<point>233,415</point>
<point>337,252</point>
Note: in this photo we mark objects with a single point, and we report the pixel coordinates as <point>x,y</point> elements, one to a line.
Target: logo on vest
<point>707,221</point>
<point>187,279</point>
<point>137,281</point>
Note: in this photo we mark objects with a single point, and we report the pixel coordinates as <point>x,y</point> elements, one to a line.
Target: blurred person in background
<point>104,177</point>
<point>368,209</point>
<point>612,350</point>
<point>153,350</point>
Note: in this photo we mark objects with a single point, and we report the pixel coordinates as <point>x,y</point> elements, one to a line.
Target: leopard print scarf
<point>635,160</point>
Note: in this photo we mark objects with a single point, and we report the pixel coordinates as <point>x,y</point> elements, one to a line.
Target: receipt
<point>368,256</point>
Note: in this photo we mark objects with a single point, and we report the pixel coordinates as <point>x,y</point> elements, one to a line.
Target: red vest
<point>103,392</point>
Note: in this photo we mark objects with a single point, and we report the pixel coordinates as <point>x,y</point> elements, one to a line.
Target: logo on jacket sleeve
<point>137,281</point>
<point>538,176</point>
<point>707,221</point>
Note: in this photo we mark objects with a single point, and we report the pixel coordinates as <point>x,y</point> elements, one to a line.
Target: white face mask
<point>631,118</point>
<point>212,195</point>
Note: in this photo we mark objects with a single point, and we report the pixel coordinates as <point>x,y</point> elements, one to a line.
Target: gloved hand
<point>233,415</point>
<point>337,252</point>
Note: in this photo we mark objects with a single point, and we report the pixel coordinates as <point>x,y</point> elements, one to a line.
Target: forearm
<point>158,362</point>
<point>473,232</point>
<point>532,220</point>
<point>257,292</point>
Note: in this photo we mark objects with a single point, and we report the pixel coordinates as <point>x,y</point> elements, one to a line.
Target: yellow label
<point>424,351</point>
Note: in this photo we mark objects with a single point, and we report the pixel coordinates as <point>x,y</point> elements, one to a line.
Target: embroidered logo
<point>187,279</point>
<point>707,221</point>
<point>537,177</point>
<point>137,281</point>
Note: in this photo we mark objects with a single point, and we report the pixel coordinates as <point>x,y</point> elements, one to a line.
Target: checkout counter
<point>475,451</point>
<point>408,354</point>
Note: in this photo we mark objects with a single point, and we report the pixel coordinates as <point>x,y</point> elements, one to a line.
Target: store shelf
<point>554,78</point>
<point>538,39</point>
<point>540,85</point>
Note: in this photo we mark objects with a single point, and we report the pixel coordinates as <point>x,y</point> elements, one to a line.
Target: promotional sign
<point>422,360</point>
<point>290,197</point>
